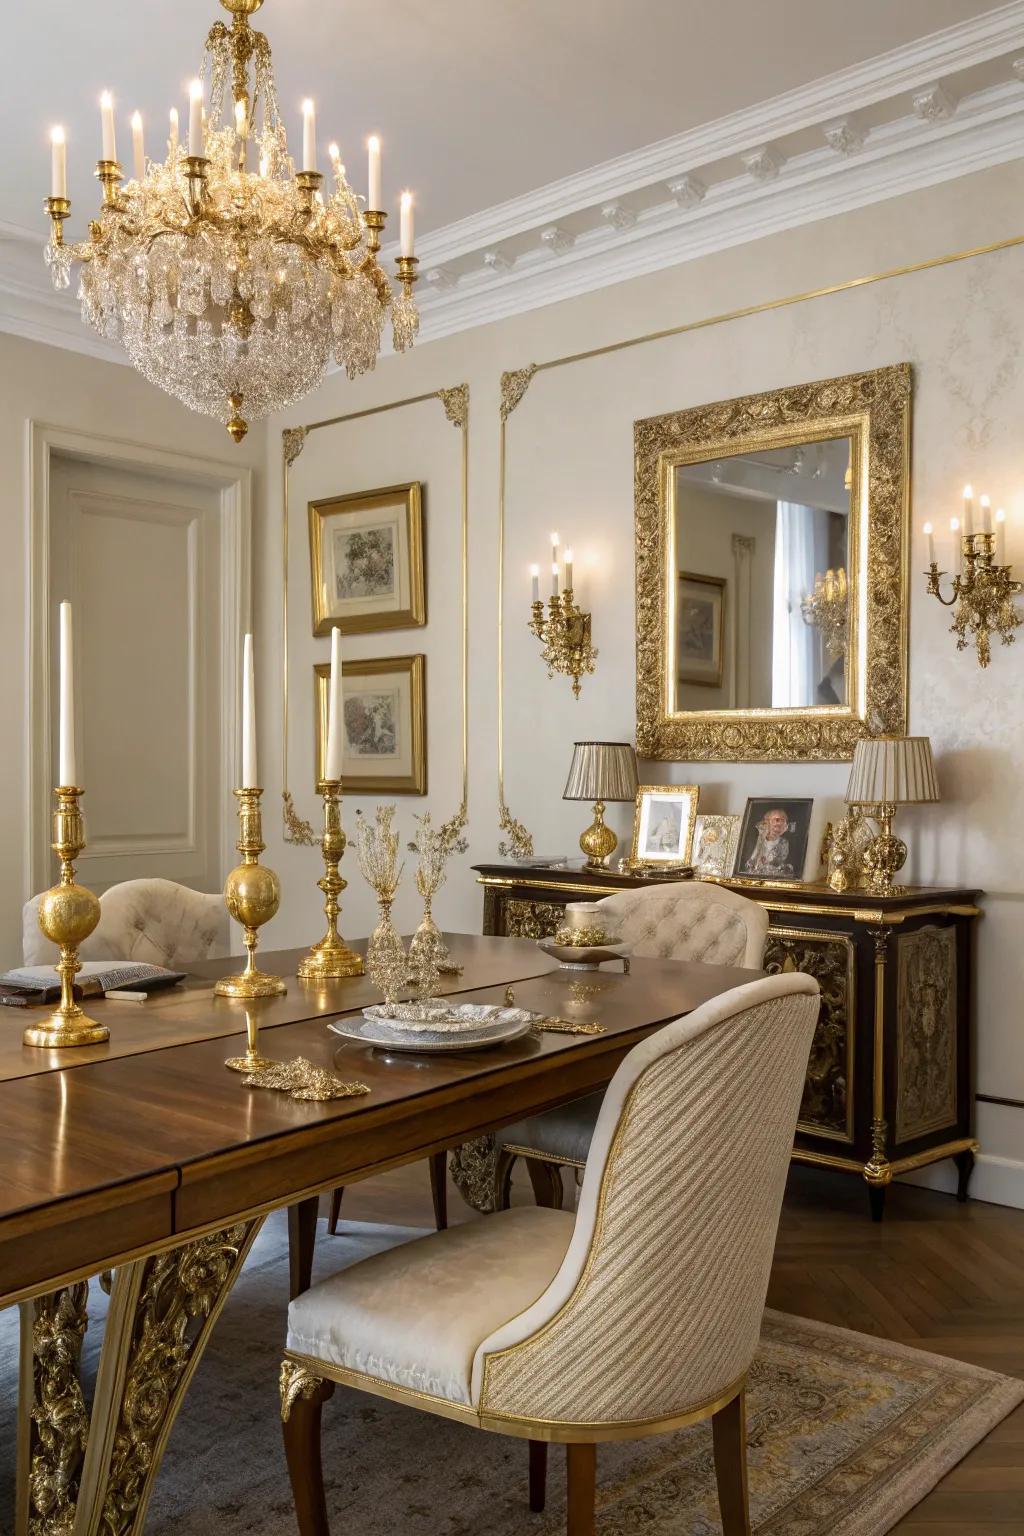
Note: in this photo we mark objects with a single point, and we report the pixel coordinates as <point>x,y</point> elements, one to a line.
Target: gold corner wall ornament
<point>455,403</point>
<point>514,385</point>
<point>873,408</point>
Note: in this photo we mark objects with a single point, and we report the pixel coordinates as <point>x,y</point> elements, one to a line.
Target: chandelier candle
<point>235,302</point>
<point>58,164</point>
<point>138,147</point>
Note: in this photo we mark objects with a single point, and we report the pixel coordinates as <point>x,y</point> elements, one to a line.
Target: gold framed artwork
<point>715,840</point>
<point>775,489</point>
<point>701,629</point>
<point>663,823</point>
<point>773,839</point>
<point>385,716</point>
<point>366,561</point>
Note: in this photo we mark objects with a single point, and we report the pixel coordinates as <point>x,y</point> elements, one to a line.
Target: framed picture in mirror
<point>663,823</point>
<point>366,561</point>
<point>773,839</point>
<point>701,629</point>
<point>385,714</point>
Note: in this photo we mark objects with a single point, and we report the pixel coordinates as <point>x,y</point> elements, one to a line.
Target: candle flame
<point>195,90</point>
<point>954,523</point>
<point>986,501</point>
<point>534,570</point>
<point>334,151</point>
<point>174,119</point>
<point>373,142</point>
<point>554,567</point>
<point>406,199</point>
<point>1000,514</point>
<point>568,557</point>
<point>554,541</point>
<point>928,528</point>
<point>57,135</point>
<point>968,493</point>
<point>106,100</point>
<point>240,116</point>
<point>136,119</point>
<point>307,106</point>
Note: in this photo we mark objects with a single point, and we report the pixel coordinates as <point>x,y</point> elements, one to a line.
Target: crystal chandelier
<point>230,284</point>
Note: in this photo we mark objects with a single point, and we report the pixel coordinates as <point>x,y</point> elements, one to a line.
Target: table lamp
<point>889,771</point>
<point>601,771</point>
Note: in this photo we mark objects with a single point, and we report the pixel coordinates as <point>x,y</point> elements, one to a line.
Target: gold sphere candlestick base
<point>598,842</point>
<point>252,895</point>
<point>67,915</point>
<point>253,1060</point>
<point>331,958</point>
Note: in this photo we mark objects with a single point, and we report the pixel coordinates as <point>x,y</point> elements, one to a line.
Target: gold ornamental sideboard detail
<point>889,1082</point>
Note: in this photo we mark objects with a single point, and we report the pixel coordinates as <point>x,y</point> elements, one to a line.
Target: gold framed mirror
<point>772,536</point>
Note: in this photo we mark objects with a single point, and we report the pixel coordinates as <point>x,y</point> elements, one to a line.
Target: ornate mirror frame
<point>873,410</point>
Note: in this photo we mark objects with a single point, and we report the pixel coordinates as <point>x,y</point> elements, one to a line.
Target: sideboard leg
<point>876,1197</point>
<point>964,1168</point>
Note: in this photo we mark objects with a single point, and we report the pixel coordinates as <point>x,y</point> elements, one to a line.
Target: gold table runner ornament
<point>304,1081</point>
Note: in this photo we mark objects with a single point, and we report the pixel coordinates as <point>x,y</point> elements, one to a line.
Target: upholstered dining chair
<point>638,1315</point>
<point>149,922</point>
<point>682,921</point>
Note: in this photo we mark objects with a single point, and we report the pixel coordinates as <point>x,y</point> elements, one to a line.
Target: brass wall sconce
<point>983,590</point>
<point>564,630</point>
<point>827,609</point>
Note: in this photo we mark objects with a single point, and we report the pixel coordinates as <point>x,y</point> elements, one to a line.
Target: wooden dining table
<point>145,1162</point>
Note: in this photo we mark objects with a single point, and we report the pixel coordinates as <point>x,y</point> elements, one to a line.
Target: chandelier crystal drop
<point>230,277</point>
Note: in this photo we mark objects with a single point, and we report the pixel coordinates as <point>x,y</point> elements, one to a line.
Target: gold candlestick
<point>67,915</point>
<point>253,1060</point>
<point>331,957</point>
<point>252,895</point>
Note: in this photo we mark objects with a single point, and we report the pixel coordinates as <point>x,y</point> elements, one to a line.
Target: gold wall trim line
<point>454,400</point>
<point>884,276</point>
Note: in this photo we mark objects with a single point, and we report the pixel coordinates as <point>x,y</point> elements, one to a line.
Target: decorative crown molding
<point>940,107</point>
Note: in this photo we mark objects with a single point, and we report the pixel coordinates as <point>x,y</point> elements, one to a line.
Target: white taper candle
<point>67,767</point>
<point>250,774</point>
<point>335,713</point>
<point>929,533</point>
<point>308,135</point>
<point>968,509</point>
<point>138,147</point>
<point>407,231</point>
<point>985,503</point>
<point>568,570</point>
<point>107,124</point>
<point>375,197</point>
<point>554,578</point>
<point>535,581</point>
<point>954,525</point>
<point>173,131</point>
<point>196,139</point>
<point>58,164</point>
<point>1000,536</point>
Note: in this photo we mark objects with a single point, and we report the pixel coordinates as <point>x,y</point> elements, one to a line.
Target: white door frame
<point>234,487</point>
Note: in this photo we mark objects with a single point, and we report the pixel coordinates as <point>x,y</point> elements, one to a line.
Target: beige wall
<point>64,390</point>
<point>570,467</point>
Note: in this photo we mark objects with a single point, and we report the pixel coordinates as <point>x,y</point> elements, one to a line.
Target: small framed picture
<point>384,709</point>
<point>700,621</point>
<point>663,823</point>
<point>773,839</point>
<point>366,561</point>
<point>715,840</point>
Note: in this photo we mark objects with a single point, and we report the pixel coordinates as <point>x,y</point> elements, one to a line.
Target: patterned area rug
<point>847,1434</point>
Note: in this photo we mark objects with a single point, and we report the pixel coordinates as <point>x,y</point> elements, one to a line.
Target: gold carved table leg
<point>85,1472</point>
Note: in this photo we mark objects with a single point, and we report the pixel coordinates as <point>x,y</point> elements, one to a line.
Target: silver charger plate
<point>441,1015</point>
<point>387,1035</point>
<point>578,957</point>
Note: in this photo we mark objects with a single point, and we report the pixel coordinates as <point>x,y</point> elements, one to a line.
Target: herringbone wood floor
<point>935,1274</point>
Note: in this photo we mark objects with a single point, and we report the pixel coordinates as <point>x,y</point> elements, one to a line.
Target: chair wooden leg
<point>332,1220</point>
<point>538,1475</point>
<point>305,1468</point>
<point>546,1179</point>
<point>503,1179</point>
<point>581,1473</point>
<point>729,1431</point>
<point>439,1188</point>
<point>301,1242</point>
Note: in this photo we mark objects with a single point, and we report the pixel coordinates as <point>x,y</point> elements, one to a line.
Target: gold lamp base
<point>598,841</point>
<point>885,856</point>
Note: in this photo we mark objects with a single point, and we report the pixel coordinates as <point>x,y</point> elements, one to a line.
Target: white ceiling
<point>477,101</point>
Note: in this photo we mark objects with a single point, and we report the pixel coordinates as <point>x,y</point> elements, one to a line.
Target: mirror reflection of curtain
<point>793,641</point>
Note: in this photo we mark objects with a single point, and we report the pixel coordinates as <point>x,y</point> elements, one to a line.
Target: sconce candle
<point>554,578</point>
<point>107,125</point>
<point>374,199</point>
<point>58,164</point>
<point>954,527</point>
<point>568,570</point>
<point>138,146</point>
<point>1000,536</point>
<point>173,130</point>
<point>407,229</point>
<point>929,534</point>
<point>535,583</point>
<point>968,509</point>
<point>986,514</point>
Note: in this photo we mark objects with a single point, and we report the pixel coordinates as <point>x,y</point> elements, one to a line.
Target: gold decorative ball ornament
<point>68,914</point>
<point>252,895</point>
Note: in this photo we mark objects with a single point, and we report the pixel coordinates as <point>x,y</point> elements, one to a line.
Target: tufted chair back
<point>150,922</point>
<point>690,920</point>
<point>656,1308</point>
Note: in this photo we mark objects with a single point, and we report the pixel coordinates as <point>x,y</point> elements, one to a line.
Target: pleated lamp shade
<point>602,770</point>
<point>892,770</point>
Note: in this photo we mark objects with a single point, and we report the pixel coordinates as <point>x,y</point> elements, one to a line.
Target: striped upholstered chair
<point>639,1314</point>
<point>683,921</point>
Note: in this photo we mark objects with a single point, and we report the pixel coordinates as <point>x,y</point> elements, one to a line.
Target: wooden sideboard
<point>890,1080</point>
